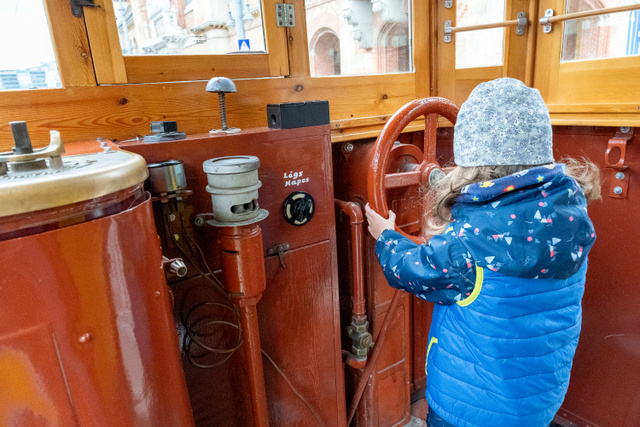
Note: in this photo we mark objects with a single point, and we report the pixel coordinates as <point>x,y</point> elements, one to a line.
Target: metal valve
<point>360,337</point>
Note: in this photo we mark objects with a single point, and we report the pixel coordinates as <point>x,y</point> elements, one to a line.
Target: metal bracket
<point>285,15</point>
<point>448,4</point>
<point>522,23</point>
<point>447,31</point>
<point>77,5</point>
<point>546,25</point>
<point>280,250</point>
<point>620,176</point>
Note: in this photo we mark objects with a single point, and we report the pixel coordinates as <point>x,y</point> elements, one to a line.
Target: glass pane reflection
<point>189,27</point>
<point>27,60</point>
<point>605,36</point>
<point>358,37</point>
<point>483,48</point>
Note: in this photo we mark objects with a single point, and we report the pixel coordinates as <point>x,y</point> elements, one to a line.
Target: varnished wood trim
<point>164,68</point>
<point>478,74</point>
<point>421,49</point>
<point>532,33</point>
<point>71,45</point>
<point>581,119</point>
<point>548,51</point>
<point>601,81</point>
<point>359,122</point>
<point>516,53</point>
<point>371,132</point>
<point>276,38</point>
<point>105,43</point>
<point>297,42</point>
<point>111,67</point>
<point>121,112</point>
<point>595,108</point>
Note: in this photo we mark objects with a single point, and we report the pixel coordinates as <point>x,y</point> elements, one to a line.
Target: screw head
<point>625,129</point>
<point>620,175</point>
<point>348,147</point>
<point>617,190</point>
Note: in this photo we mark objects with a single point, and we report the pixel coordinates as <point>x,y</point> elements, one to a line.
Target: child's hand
<point>377,224</point>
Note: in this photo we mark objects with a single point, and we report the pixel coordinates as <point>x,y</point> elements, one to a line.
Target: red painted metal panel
<point>93,298</point>
<point>604,389</point>
<point>298,314</point>
<point>386,398</point>
<point>605,386</point>
<point>303,150</point>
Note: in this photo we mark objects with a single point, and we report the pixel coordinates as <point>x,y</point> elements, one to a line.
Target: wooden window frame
<point>83,110</point>
<point>111,67</point>
<point>457,84</point>
<point>599,92</point>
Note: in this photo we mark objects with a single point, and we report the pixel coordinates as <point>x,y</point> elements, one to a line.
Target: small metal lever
<point>280,250</point>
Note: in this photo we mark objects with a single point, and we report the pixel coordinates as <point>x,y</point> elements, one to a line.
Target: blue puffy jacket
<point>508,276</point>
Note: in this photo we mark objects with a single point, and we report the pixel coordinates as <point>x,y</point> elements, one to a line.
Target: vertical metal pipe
<point>242,259</point>
<point>251,335</point>
<point>355,215</point>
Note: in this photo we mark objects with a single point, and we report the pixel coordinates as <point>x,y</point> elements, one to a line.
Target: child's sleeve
<point>440,271</point>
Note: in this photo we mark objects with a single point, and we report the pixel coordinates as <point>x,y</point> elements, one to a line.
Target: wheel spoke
<point>402,179</point>
<point>430,135</point>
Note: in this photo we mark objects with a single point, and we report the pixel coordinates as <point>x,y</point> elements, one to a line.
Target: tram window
<point>187,27</point>
<point>27,61</point>
<point>483,48</point>
<point>605,36</point>
<point>356,37</point>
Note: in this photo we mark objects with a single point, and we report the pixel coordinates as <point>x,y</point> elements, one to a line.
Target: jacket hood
<point>531,224</point>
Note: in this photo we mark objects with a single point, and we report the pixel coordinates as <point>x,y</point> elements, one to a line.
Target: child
<point>507,269</point>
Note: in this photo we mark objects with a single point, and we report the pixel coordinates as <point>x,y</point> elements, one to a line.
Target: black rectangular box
<point>291,115</point>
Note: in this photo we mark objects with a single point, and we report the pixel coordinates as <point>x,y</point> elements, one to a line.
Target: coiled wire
<point>193,343</point>
<point>205,332</point>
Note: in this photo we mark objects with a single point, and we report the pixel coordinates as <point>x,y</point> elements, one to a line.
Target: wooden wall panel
<point>618,80</point>
<point>122,112</point>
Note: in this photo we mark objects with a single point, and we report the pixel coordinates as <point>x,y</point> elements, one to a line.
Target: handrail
<point>519,23</point>
<point>587,13</point>
<point>511,23</point>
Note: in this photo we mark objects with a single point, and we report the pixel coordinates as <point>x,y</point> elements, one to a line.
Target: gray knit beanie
<point>503,122</point>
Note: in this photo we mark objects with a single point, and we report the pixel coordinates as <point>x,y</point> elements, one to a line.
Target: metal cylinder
<point>21,138</point>
<point>233,185</point>
<point>167,176</point>
<point>87,332</point>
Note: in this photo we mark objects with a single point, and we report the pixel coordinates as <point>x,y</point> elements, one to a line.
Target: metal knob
<point>178,268</point>
<point>174,266</point>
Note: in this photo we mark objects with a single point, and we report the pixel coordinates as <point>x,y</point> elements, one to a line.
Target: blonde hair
<point>442,196</point>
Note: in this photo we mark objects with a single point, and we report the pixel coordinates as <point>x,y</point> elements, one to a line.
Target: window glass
<point>605,36</point>
<point>27,60</point>
<point>358,37</point>
<point>189,27</point>
<point>483,48</point>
